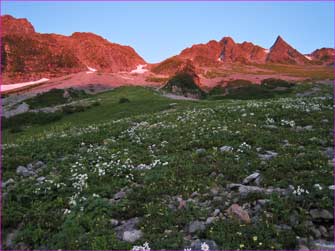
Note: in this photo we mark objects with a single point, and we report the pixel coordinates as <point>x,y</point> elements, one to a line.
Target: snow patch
<point>90,70</point>
<point>11,87</point>
<point>266,51</point>
<point>140,69</point>
<point>308,57</point>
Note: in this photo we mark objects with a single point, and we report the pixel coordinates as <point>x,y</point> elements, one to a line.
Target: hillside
<point>234,174</point>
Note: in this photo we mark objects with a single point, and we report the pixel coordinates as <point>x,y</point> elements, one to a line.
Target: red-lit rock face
<point>283,53</point>
<point>27,52</point>
<point>323,55</point>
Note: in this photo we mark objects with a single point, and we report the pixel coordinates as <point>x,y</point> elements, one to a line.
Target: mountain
<point>282,52</point>
<point>245,52</point>
<point>27,54</point>
<point>323,55</point>
<point>218,53</point>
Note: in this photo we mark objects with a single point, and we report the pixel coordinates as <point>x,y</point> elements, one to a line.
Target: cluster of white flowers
<point>269,121</point>
<point>299,191</point>
<point>243,147</point>
<point>204,247</point>
<point>145,247</point>
<point>318,186</point>
<point>290,123</point>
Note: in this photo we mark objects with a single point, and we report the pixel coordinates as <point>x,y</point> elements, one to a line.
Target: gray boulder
<point>268,155</point>
<point>23,171</point>
<point>255,177</point>
<point>226,149</point>
<point>196,226</point>
<point>321,214</point>
<point>322,245</point>
<point>132,236</point>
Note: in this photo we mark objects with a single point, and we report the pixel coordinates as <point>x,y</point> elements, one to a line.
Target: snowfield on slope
<point>140,69</point>
<point>5,88</point>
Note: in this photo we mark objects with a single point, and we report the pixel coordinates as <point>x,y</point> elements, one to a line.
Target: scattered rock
<point>226,149</point>
<point>262,202</point>
<point>283,227</point>
<point>329,152</point>
<point>132,236</point>
<point>316,233</point>
<point>322,245</point>
<point>10,239</point>
<point>197,244</point>
<point>39,164</point>
<point>321,214</point>
<point>127,226</point>
<point>271,126</point>
<point>268,155</point>
<point>255,177</point>
<point>114,222</point>
<point>200,151</point>
<point>23,171</point>
<point>303,248</point>
<point>40,179</point>
<point>215,191</point>
<point>245,190</point>
<point>239,213</point>
<point>194,194</point>
<point>210,220</point>
<point>7,183</point>
<point>196,226</point>
<point>216,212</point>
<point>182,203</point>
<point>308,128</point>
<point>22,108</point>
<point>323,231</point>
<point>119,195</point>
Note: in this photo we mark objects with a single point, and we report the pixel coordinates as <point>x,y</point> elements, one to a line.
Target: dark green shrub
<point>50,98</point>
<point>272,83</point>
<point>183,84</point>
<point>123,100</point>
<point>72,109</point>
<point>30,118</point>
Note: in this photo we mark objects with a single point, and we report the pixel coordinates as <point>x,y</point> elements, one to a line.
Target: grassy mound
<point>244,89</point>
<point>184,84</point>
<point>55,97</point>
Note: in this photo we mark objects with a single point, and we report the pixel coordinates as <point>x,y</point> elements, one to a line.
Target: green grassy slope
<point>109,141</point>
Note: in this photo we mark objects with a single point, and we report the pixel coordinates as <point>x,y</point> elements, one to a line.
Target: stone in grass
<point>132,236</point>
<point>329,152</point>
<point>23,171</point>
<point>255,177</point>
<point>127,230</point>
<point>7,183</point>
<point>239,213</point>
<point>268,155</point>
<point>196,226</point>
<point>200,151</point>
<point>322,245</point>
<point>321,214</point>
<point>211,220</point>
<point>38,164</point>
<point>201,244</point>
<point>114,222</point>
<point>120,195</point>
<point>40,179</point>
<point>226,149</point>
